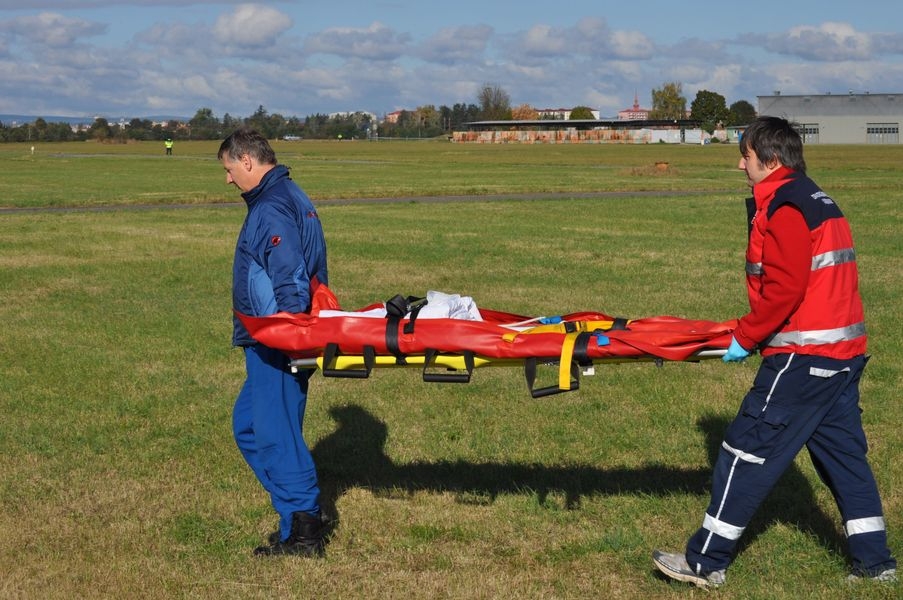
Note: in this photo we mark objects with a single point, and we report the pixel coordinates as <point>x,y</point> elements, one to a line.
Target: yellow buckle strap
<point>567,356</point>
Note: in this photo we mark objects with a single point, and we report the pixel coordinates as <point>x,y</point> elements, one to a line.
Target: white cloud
<point>251,25</point>
<point>542,40</point>
<point>590,37</point>
<point>50,29</point>
<point>827,42</point>
<point>457,44</point>
<point>631,45</point>
<point>376,42</point>
<point>887,43</point>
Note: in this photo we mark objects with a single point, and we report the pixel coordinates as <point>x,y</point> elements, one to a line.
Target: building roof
<point>841,105</point>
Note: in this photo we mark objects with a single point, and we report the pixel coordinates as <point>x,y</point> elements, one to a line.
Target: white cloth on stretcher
<point>439,305</point>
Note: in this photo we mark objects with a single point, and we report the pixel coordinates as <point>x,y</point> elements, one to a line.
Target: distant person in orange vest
<point>168,144</point>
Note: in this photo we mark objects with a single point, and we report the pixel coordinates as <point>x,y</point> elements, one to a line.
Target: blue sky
<point>134,58</point>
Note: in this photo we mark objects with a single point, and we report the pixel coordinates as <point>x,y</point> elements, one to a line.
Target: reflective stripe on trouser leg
<point>867,541</point>
<point>732,505</point>
<point>775,419</point>
<point>838,449</point>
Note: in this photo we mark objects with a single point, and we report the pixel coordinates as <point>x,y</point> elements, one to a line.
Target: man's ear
<point>246,162</point>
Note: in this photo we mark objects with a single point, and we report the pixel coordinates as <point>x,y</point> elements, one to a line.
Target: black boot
<point>307,538</point>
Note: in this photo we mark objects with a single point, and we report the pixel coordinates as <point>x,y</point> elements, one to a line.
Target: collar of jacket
<point>267,181</point>
<point>764,190</point>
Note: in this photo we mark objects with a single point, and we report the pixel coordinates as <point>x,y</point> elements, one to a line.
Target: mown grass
<point>92,174</point>
<point>120,477</point>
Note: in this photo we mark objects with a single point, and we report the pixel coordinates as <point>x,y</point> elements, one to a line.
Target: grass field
<point>119,475</point>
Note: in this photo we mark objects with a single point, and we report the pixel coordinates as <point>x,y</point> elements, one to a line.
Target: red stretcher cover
<point>308,335</point>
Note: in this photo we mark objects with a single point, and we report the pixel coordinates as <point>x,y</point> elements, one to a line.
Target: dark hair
<point>774,138</point>
<point>247,141</point>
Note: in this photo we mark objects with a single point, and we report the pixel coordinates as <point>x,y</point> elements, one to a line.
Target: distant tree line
<point>422,122</point>
<point>493,104</point>
<point>709,108</point>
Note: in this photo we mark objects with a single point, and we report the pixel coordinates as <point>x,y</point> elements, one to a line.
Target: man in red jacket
<point>806,319</point>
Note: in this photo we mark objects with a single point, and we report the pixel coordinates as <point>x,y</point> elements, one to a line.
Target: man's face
<point>754,168</point>
<point>239,172</point>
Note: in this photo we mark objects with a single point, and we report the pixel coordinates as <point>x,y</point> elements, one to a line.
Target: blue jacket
<point>280,248</point>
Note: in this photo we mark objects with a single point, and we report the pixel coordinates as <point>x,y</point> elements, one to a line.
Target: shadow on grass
<point>354,456</point>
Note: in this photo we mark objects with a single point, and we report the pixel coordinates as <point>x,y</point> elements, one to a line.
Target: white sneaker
<point>676,567</point>
<point>885,576</point>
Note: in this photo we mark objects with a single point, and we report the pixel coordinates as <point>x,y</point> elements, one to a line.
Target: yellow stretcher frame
<point>458,368</point>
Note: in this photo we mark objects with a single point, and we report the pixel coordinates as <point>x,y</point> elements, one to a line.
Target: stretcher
<point>449,346</point>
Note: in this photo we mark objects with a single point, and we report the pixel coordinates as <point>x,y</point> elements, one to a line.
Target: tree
<point>741,112</point>
<point>40,127</point>
<point>710,109</point>
<point>668,102</point>
<point>495,103</point>
<point>141,129</point>
<point>524,112</point>
<point>100,130</point>
<point>294,126</point>
<point>230,123</point>
<point>315,125</point>
<point>429,121</point>
<point>204,125</point>
<point>260,121</point>
<point>463,113</point>
<point>581,113</point>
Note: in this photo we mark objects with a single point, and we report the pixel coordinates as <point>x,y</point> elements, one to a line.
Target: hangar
<point>840,118</point>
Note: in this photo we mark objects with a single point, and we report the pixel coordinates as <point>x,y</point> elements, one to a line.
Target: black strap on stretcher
<point>397,308</point>
<point>530,368</point>
<point>447,377</point>
<point>329,358</point>
<point>581,348</point>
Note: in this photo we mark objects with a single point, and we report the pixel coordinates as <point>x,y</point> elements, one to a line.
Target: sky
<point>141,58</point>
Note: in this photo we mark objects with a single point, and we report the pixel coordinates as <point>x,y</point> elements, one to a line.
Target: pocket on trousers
<point>755,433</point>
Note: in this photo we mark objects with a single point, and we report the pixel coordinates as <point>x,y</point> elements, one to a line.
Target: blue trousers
<point>268,422</point>
<point>795,401</point>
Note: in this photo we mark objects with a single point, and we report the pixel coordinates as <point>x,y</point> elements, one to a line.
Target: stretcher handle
<point>329,359</point>
<point>430,356</point>
<point>530,373</point>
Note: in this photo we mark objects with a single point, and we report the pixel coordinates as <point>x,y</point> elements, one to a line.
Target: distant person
<point>806,319</point>
<point>167,143</point>
<point>281,249</point>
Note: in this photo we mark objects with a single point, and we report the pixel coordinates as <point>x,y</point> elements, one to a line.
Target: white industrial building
<point>867,118</point>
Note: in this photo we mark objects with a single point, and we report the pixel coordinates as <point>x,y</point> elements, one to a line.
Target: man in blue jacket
<point>280,250</point>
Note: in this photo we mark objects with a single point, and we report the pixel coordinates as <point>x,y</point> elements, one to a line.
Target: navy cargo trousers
<point>795,401</point>
<point>267,421</point>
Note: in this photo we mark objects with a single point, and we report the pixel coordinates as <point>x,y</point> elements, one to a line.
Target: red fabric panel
<point>306,335</point>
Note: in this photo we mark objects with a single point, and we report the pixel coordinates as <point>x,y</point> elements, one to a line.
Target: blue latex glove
<point>735,352</point>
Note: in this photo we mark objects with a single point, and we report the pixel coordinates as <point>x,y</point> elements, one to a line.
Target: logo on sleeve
<point>275,240</point>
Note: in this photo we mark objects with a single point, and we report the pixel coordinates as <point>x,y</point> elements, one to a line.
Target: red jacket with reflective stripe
<point>802,279</point>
